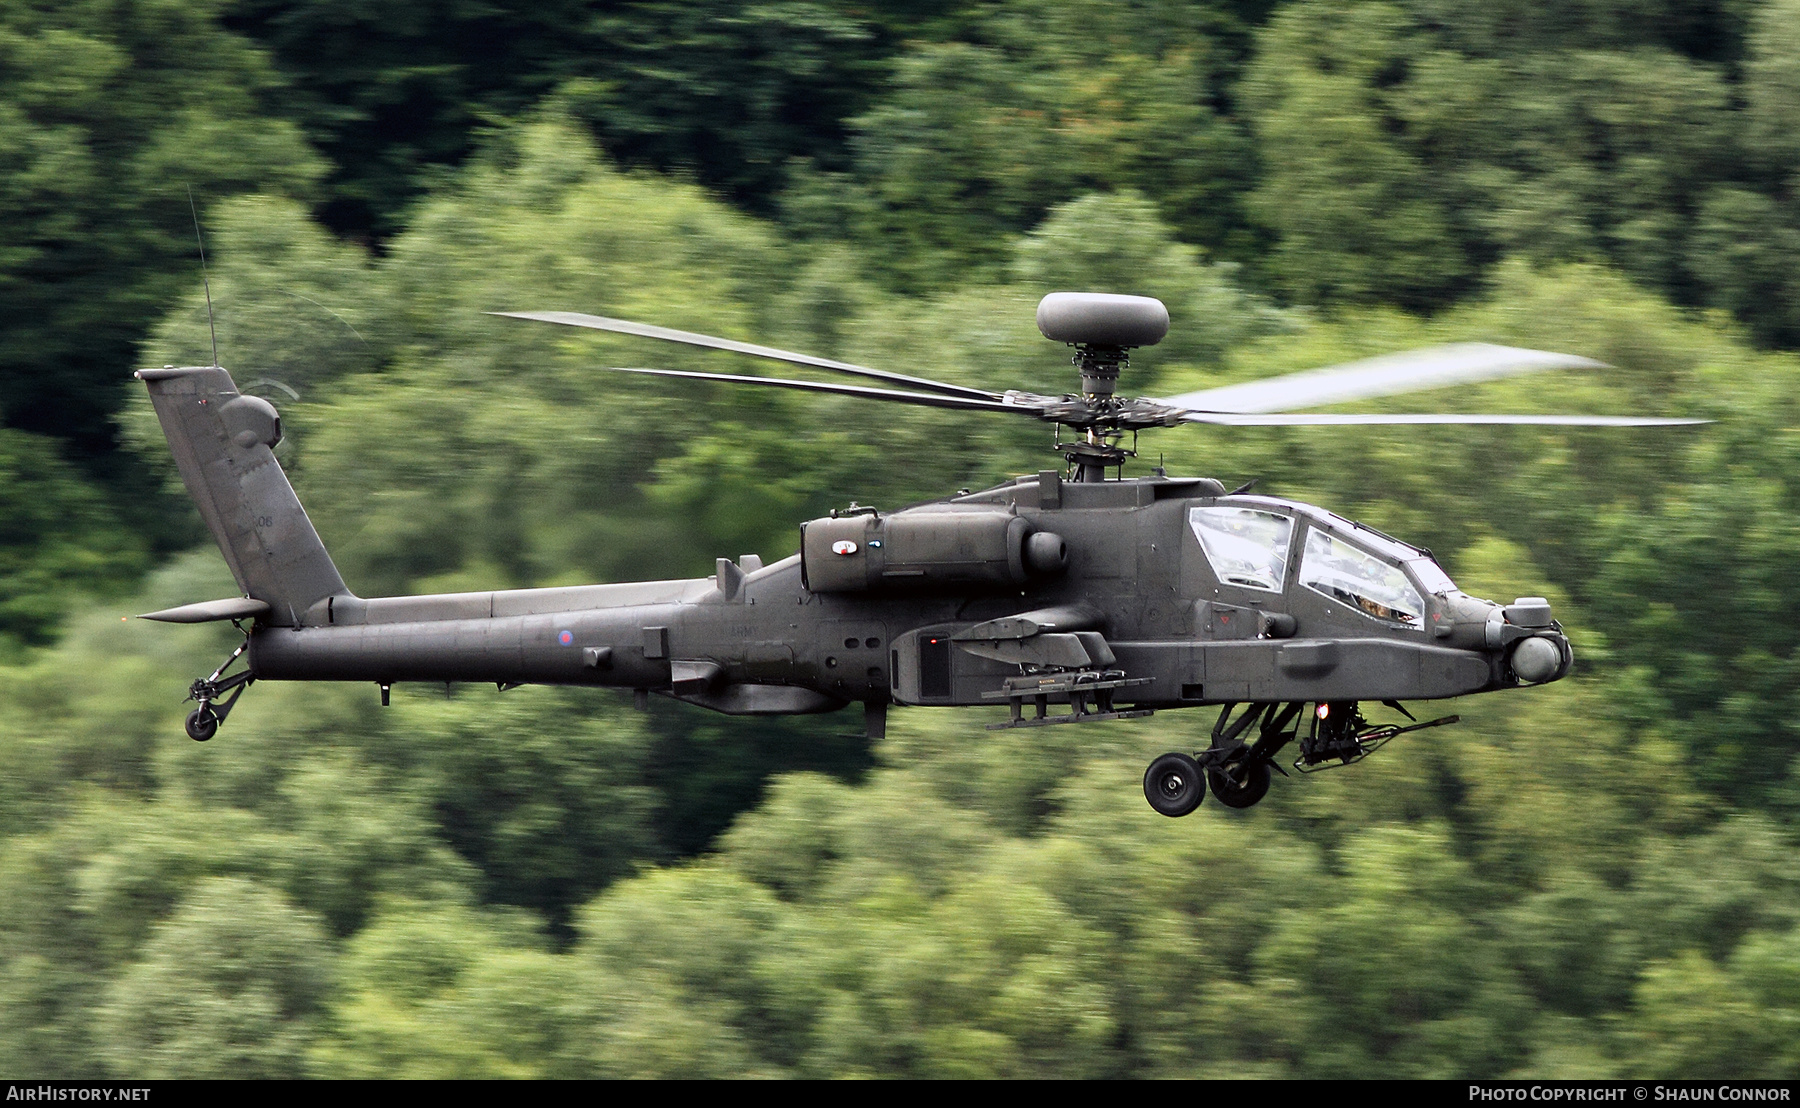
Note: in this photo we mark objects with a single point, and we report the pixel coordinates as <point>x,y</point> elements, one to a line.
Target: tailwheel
<point>1174,784</point>
<point>202,724</point>
<point>1240,785</point>
<point>211,691</point>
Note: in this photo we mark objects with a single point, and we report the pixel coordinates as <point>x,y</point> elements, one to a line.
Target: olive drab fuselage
<point>879,608</point>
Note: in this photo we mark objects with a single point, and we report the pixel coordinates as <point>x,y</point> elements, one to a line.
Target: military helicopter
<point>1069,596</point>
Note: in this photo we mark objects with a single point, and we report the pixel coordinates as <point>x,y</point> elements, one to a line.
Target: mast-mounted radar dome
<point>1102,326</point>
<point>1102,319</point>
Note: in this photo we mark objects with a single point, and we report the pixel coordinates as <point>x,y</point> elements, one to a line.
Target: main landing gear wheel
<point>202,724</point>
<point>1241,785</point>
<point>1174,785</point>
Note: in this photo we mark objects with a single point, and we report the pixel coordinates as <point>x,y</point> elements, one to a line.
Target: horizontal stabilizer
<point>210,611</point>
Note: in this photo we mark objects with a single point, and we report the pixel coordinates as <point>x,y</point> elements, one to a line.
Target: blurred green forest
<point>1592,879</point>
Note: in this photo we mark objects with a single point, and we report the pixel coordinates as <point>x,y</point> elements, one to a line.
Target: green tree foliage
<point>291,308</point>
<point>729,91</point>
<point>906,858</point>
<point>542,795</point>
<point>229,986</point>
<point>397,93</point>
<point>1404,153</point>
<point>1536,892</point>
<point>1030,105</point>
<point>1353,206</point>
<point>1749,230</point>
<point>1590,879</point>
<point>389,91</point>
<point>1118,241</point>
<point>836,933</point>
<point>109,114</point>
<point>434,991</point>
<point>59,538</point>
<point>1771,85</point>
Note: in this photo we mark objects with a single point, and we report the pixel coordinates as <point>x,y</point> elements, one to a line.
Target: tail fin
<point>221,441</point>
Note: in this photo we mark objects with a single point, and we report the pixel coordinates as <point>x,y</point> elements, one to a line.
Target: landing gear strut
<point>1239,772</point>
<point>203,722</point>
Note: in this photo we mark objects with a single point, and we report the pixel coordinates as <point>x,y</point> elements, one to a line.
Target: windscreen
<point>1431,575</point>
<point>1246,546</point>
<point>1355,577</point>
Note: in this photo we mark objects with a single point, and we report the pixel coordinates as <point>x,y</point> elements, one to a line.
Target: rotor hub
<point>1100,367</point>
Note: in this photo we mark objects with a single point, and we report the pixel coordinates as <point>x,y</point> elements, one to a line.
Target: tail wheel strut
<point>211,691</point>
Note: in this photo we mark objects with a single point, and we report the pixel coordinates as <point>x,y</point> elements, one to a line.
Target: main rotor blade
<point>923,399</point>
<point>650,331</point>
<point>1432,367</point>
<point>1304,419</point>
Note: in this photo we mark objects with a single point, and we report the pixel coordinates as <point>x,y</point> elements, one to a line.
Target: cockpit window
<point>1374,587</point>
<point>1246,546</point>
<point>1431,575</point>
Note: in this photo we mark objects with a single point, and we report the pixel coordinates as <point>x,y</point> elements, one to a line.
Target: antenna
<point>204,280</point>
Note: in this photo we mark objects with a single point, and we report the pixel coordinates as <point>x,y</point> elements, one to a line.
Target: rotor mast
<point>1093,454</point>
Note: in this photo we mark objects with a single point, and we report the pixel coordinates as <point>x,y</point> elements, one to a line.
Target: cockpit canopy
<point>1250,543</point>
<point>1246,546</point>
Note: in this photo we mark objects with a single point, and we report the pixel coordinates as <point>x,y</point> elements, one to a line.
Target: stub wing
<point>211,611</point>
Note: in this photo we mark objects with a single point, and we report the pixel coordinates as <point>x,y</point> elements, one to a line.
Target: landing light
<point>1323,710</point>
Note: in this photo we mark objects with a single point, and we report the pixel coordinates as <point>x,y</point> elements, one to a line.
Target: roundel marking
<point>566,637</point>
<point>843,546</point>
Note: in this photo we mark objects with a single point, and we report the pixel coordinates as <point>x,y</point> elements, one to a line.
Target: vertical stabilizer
<point>222,444</point>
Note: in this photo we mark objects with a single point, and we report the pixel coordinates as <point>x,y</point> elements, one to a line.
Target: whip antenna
<point>204,280</point>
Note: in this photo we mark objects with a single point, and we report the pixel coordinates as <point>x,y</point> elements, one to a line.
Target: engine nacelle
<point>921,550</point>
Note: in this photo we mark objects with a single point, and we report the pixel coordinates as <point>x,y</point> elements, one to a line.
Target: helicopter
<point>1074,595</point>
